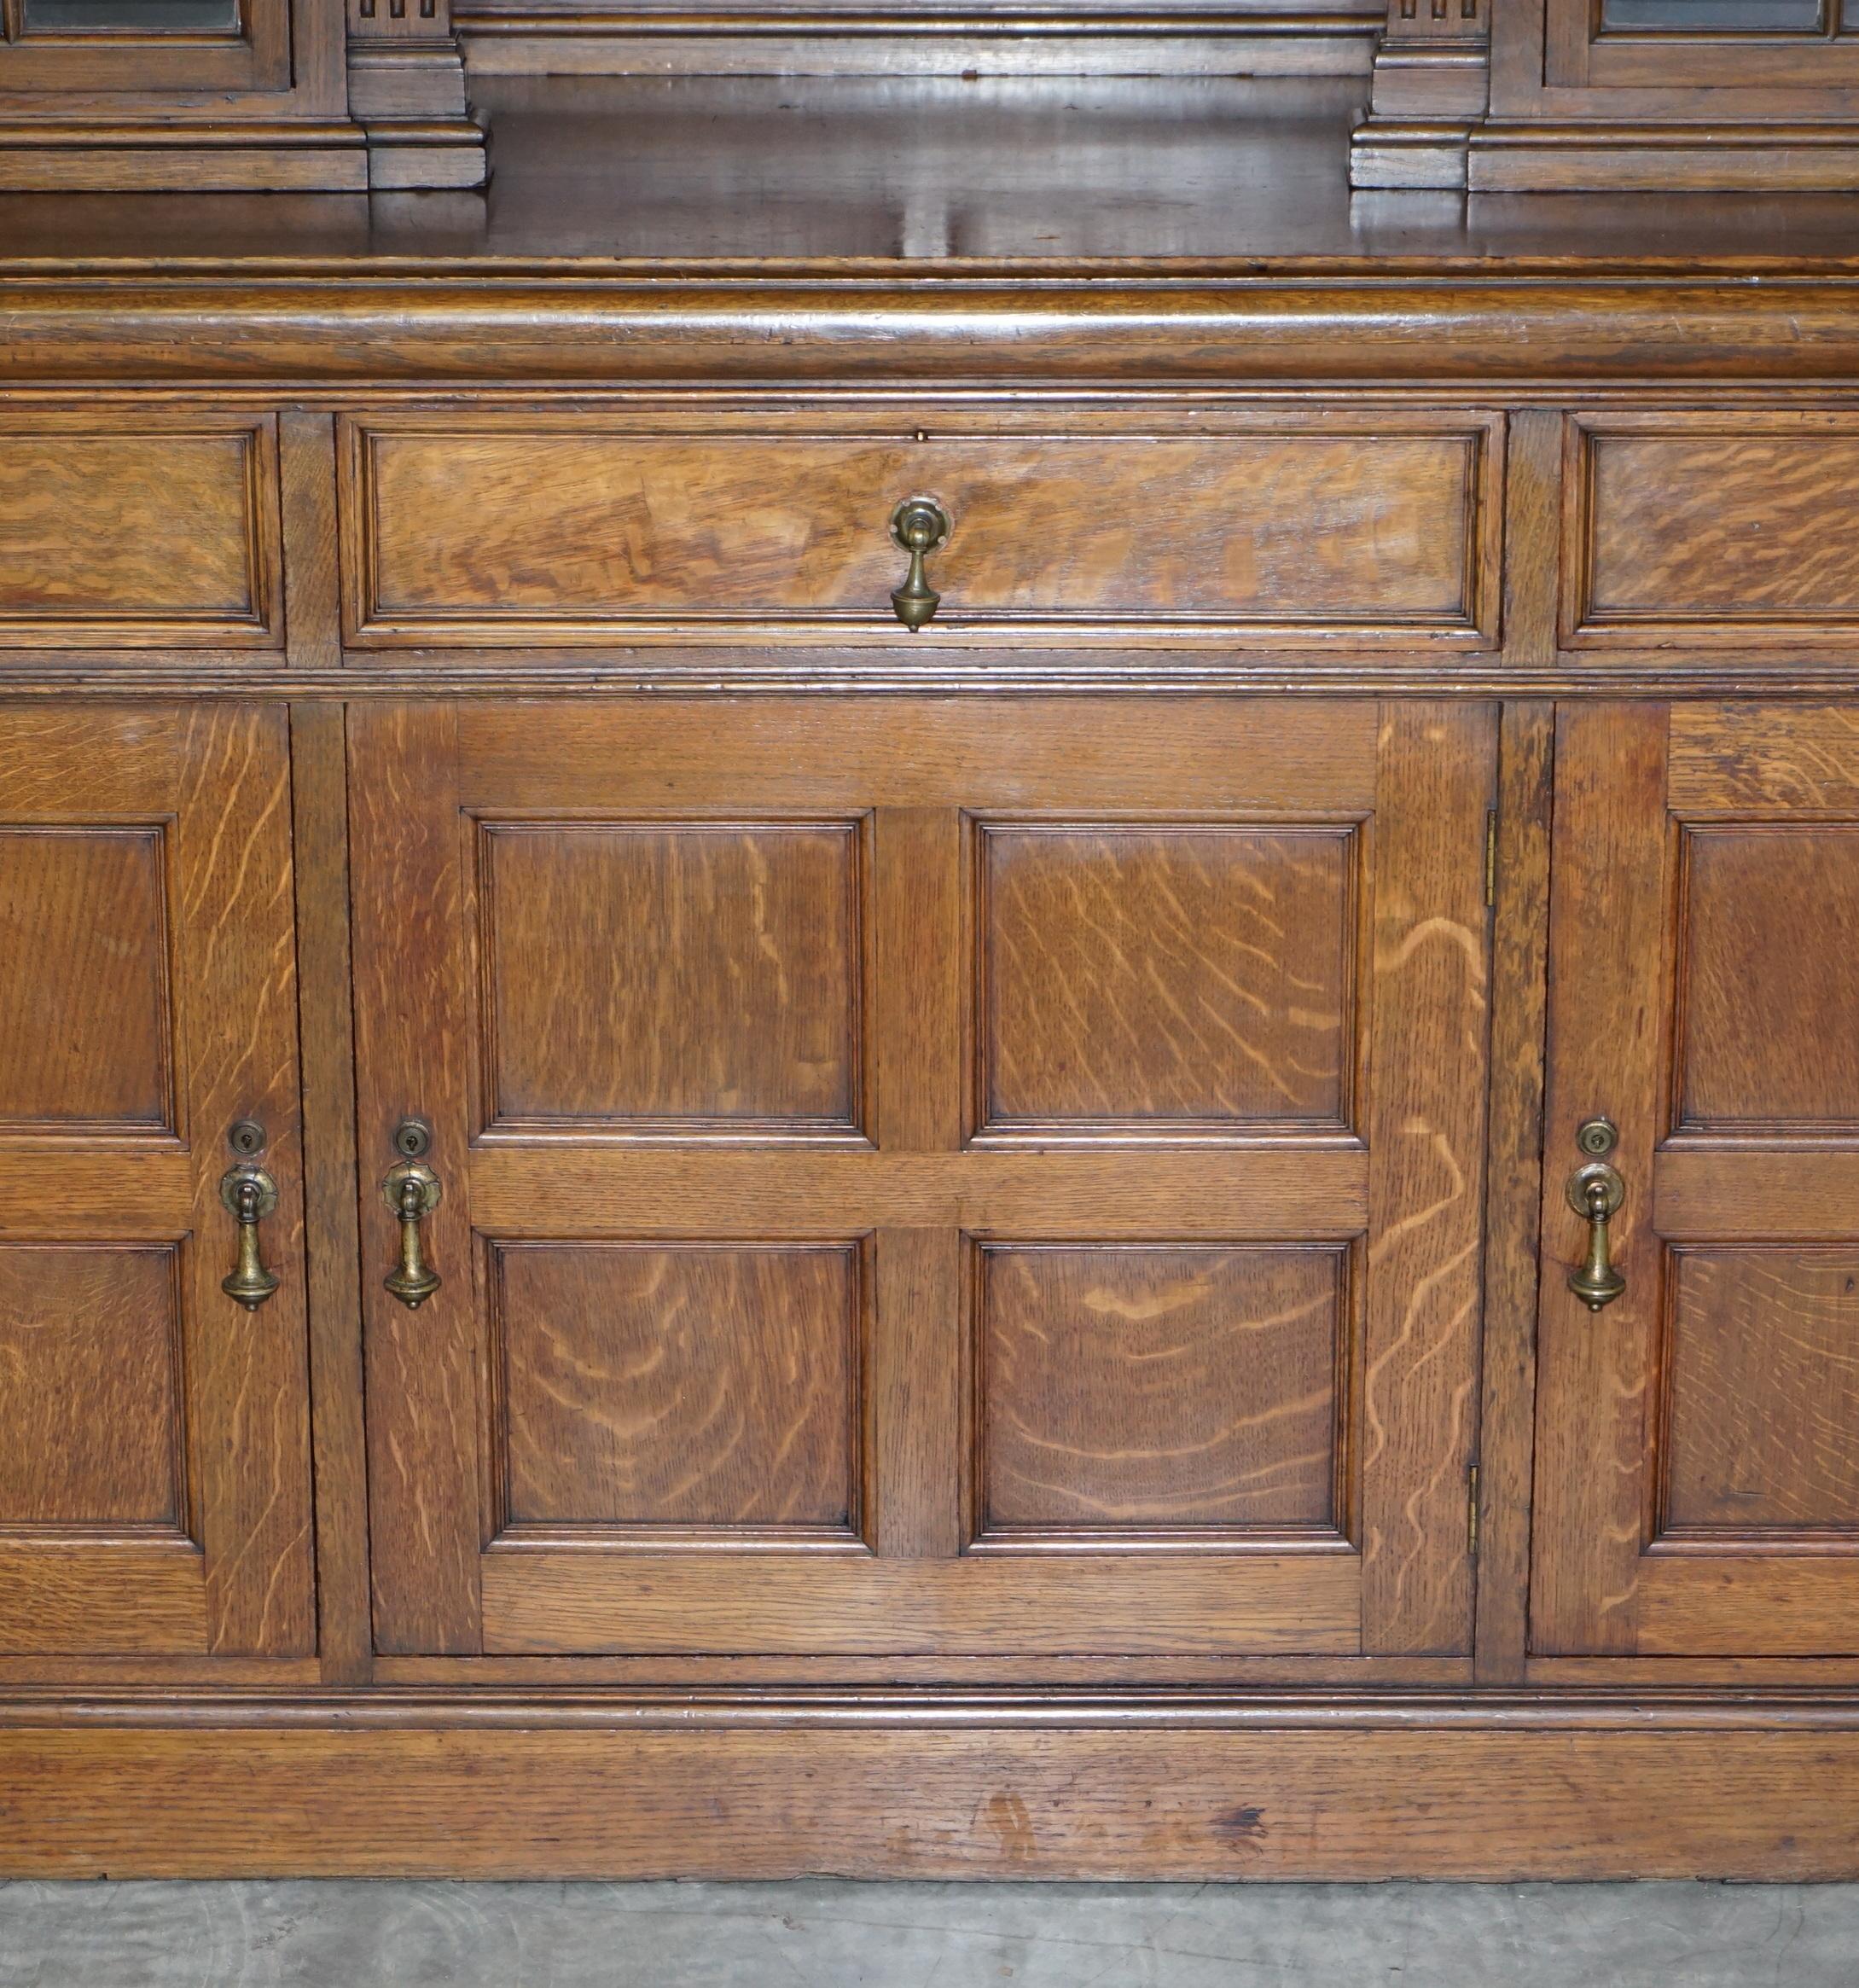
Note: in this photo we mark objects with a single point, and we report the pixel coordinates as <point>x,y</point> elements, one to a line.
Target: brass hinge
<point>1490,857</point>
<point>1471,1511</point>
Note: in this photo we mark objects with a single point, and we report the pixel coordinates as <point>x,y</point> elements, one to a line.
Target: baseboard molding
<point>366,1786</point>
<point>287,156</point>
<point>1527,157</point>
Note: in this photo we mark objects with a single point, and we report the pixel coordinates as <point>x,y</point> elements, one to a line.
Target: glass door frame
<point>1550,60</point>
<point>92,65</point>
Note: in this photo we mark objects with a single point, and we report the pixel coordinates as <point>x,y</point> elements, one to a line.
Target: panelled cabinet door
<point>154,1475</point>
<point>1698,1437</point>
<point>934,1179</point>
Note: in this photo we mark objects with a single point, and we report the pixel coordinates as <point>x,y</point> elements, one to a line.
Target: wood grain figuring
<point>1768,1033</point>
<point>1166,977</point>
<point>1762,1410</point>
<point>249,1376</point>
<point>140,535</point>
<point>529,529</point>
<point>645,1386</point>
<point>662,756</point>
<point>1122,1388</point>
<point>412,1059</point>
<point>1607,996</point>
<point>1750,1604</point>
<point>87,1043</point>
<point>189,1389</point>
<point>1009,1604</point>
<point>1197,1804</point>
<point>1513,1215</point>
<point>104,1597</point>
<point>645,1389</point>
<point>1703,529</point>
<point>1424,1122</point>
<point>1757,759</point>
<point>325,991</point>
<point>684,975</point>
<point>90,1388</point>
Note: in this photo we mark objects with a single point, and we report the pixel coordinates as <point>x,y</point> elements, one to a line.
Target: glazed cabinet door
<point>944,1179</point>
<point>1698,1435</point>
<point>154,1475</point>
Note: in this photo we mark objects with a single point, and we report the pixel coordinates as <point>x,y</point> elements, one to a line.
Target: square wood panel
<point>91,1433</point>
<point>86,1027</point>
<point>1768,1033</point>
<point>1165,979</point>
<point>1760,1428</point>
<point>680,977</point>
<point>1163,1389</point>
<point>706,1386</point>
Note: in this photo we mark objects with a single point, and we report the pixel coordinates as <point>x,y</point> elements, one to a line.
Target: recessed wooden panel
<point>683,974</point>
<point>1159,1387</point>
<point>138,535</point>
<point>684,1386</point>
<point>90,1387</point>
<point>85,1029</point>
<point>1769,1031</point>
<point>525,528</point>
<point>1708,529</point>
<point>1761,1416</point>
<point>1166,977</point>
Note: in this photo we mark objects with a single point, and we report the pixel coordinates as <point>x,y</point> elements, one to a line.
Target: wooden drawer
<point>139,530</point>
<point>662,522</point>
<point>1710,530</point>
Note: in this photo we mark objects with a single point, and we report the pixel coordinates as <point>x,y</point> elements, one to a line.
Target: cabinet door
<point>155,1469</point>
<point>934,1179</point>
<point>1698,1472</point>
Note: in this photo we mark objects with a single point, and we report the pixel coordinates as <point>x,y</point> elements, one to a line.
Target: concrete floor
<point>837,1935</point>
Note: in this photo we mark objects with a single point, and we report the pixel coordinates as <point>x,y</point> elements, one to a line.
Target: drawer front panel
<point>1711,531</point>
<point>138,531</point>
<point>528,529</point>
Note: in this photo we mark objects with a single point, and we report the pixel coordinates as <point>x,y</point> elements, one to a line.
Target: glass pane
<point>131,16</point>
<point>1712,17</point>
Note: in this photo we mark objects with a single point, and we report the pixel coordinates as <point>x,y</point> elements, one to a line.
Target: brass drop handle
<point>1595,1192</point>
<point>919,524</point>
<point>250,1193</point>
<point>412,1190</point>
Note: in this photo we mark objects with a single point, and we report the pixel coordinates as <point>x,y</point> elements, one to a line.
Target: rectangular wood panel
<point>646,1385</point>
<point>1709,530</point>
<point>686,976</point>
<point>535,527</point>
<point>88,1045</point>
<point>138,531</point>
<point>92,1388</point>
<point>1001,1603</point>
<point>1194,1392</point>
<point>1165,978</point>
<point>1768,1030</point>
<point>1760,1423</point>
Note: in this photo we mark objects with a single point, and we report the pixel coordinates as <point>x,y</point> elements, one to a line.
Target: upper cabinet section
<point>1070,523</point>
<point>131,530</point>
<point>90,47</point>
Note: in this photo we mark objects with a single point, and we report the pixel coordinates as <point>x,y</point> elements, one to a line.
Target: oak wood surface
<point>527,527</point>
<point>1198,1804</point>
<point>159,529</point>
<point>1694,1475</point>
<point>160,1487</point>
<point>611,1248</point>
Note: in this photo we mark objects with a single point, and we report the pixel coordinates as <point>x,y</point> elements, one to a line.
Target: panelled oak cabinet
<point>1200,1220</point>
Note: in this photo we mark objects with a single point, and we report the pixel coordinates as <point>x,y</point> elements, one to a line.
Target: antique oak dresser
<point>921,981</point>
